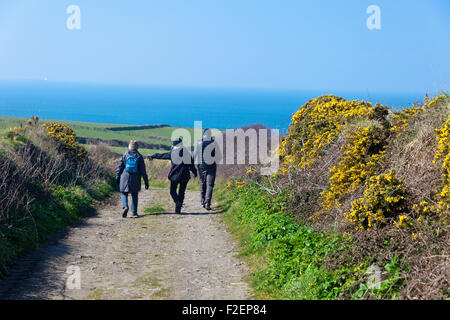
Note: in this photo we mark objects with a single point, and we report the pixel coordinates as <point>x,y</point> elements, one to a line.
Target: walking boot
<point>124,212</point>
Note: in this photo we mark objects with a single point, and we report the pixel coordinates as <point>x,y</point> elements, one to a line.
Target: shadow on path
<point>180,214</point>
<point>19,282</point>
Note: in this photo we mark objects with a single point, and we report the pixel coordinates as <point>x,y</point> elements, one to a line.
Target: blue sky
<point>322,44</point>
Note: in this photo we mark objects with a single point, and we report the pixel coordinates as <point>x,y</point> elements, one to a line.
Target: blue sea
<point>176,106</point>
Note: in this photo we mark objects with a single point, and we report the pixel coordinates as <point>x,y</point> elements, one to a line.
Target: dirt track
<point>157,256</point>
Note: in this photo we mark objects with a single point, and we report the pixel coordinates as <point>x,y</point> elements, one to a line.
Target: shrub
<point>405,116</point>
<point>443,155</point>
<point>362,152</point>
<point>383,198</point>
<point>66,137</point>
<point>45,184</point>
<point>315,125</point>
<point>339,158</point>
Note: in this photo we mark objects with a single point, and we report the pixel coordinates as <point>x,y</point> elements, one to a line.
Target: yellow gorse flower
<point>240,184</point>
<point>314,126</point>
<point>66,137</point>
<point>384,197</point>
<point>443,154</point>
<point>354,168</point>
<point>406,114</point>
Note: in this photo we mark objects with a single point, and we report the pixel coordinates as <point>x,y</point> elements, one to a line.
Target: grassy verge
<point>63,206</point>
<point>287,259</point>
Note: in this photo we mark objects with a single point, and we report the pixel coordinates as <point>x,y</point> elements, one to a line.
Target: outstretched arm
<point>161,156</point>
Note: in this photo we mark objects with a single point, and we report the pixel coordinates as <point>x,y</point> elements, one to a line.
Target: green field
<point>14,121</point>
<point>165,132</point>
<point>101,131</point>
<point>161,135</point>
<point>105,134</point>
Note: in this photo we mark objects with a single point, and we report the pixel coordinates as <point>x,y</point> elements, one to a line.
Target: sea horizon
<point>220,108</point>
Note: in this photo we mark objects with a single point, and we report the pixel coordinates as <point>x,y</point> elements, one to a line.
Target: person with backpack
<point>179,173</point>
<point>130,171</point>
<point>206,155</point>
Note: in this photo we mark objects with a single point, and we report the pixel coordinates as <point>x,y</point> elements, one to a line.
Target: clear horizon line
<point>256,88</point>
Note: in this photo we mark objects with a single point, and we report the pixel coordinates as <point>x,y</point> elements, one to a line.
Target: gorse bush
<point>443,155</point>
<point>314,126</point>
<point>383,198</point>
<point>371,181</point>
<point>67,142</point>
<point>361,154</point>
<point>404,117</point>
<point>320,124</point>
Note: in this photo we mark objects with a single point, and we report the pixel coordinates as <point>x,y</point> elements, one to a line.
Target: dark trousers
<point>134,201</point>
<point>207,179</point>
<point>178,196</point>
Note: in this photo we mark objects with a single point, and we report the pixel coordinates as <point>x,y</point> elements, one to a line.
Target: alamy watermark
<point>374,277</point>
<point>73,22</point>
<point>374,20</point>
<point>74,280</point>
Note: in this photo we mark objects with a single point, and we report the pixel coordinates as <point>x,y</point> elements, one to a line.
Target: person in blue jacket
<point>179,173</point>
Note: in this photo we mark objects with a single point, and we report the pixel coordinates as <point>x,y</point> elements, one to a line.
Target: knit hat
<point>133,145</point>
<point>177,141</point>
<point>207,134</point>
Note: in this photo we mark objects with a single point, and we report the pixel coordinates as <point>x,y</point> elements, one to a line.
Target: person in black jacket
<point>179,173</point>
<point>206,155</point>
<point>130,170</point>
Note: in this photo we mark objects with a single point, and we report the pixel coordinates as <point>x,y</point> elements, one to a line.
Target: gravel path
<point>161,255</point>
